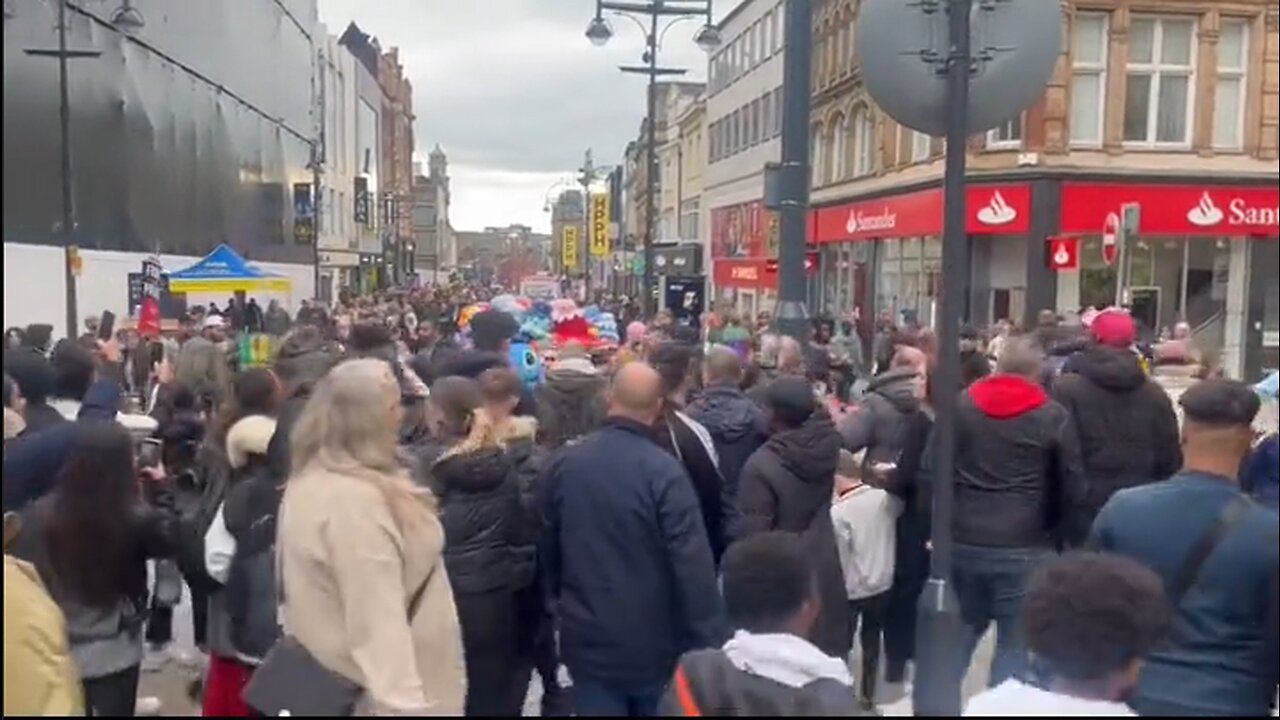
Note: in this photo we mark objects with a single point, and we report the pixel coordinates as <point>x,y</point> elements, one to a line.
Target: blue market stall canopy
<point>223,270</point>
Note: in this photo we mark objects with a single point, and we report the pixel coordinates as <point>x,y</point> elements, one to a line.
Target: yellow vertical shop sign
<point>569,248</point>
<point>600,225</point>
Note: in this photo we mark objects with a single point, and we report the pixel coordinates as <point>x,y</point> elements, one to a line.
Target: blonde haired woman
<point>357,542</point>
<point>474,467</point>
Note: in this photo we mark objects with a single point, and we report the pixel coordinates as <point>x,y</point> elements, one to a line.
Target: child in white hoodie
<point>865,520</point>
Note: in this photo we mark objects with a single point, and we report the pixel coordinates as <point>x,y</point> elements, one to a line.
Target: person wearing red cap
<point>1125,421</point>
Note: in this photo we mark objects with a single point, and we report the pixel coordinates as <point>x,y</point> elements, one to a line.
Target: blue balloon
<point>526,363</point>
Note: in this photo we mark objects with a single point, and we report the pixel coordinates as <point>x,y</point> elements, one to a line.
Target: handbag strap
<point>1189,573</point>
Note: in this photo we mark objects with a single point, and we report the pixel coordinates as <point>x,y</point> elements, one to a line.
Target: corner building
<point>1173,106</point>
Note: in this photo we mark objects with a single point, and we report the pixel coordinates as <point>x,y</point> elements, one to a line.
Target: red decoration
<point>1062,253</point>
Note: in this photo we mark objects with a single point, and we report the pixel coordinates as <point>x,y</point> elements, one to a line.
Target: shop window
<point>1229,92</point>
<point>1158,83</point>
<point>1088,78</point>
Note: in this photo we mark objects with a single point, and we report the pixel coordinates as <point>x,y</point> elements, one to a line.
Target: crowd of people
<point>389,518</point>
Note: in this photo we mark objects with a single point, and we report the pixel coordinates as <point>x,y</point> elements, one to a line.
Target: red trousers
<point>224,686</point>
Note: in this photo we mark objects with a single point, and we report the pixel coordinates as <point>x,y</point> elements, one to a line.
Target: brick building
<point>1173,106</point>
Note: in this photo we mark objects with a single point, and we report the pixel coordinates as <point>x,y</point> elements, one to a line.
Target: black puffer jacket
<point>787,485</point>
<point>1017,465</point>
<point>482,512</point>
<point>490,562</point>
<point>1126,424</point>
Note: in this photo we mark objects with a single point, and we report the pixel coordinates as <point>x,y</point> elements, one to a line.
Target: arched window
<point>864,142</point>
<point>815,155</point>
<point>838,163</point>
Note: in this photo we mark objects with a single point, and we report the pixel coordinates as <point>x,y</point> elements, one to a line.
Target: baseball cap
<point>214,321</point>
<point>1113,328</point>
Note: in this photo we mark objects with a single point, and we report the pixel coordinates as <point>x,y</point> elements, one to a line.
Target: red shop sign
<point>1062,254</point>
<point>1174,209</point>
<point>749,273</point>
<point>990,210</point>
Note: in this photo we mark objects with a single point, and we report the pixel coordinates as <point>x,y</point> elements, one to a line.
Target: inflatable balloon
<point>526,363</point>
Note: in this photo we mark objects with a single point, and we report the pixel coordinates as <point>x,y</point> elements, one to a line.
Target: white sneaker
<point>147,706</point>
<point>155,658</point>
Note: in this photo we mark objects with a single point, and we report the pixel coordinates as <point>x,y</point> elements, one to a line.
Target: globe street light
<point>708,38</point>
<point>599,31</point>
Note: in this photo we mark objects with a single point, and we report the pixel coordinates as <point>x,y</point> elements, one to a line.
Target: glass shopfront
<point>1171,280</point>
<point>908,279</point>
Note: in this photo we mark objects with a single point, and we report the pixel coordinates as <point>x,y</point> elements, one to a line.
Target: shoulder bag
<point>292,682</point>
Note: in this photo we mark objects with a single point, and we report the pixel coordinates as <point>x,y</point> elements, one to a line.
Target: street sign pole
<point>1130,215</point>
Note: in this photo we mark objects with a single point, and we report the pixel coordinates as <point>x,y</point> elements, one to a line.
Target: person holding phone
<point>90,539</point>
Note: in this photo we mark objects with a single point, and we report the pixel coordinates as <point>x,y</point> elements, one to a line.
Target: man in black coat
<point>1125,421</point>
<point>737,425</point>
<point>1017,473</point>
<point>787,485</point>
<point>625,558</point>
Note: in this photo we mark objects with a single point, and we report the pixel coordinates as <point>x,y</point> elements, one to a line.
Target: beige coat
<point>348,574</point>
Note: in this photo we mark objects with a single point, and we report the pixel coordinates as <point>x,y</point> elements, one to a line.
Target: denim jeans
<point>991,584</point>
<point>603,698</point>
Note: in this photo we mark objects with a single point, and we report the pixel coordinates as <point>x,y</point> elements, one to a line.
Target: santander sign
<point>860,221</point>
<point>1206,213</point>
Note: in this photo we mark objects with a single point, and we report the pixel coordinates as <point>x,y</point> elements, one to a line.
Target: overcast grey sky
<point>513,91</point>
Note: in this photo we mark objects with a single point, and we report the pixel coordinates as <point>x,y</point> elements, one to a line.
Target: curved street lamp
<point>599,32</point>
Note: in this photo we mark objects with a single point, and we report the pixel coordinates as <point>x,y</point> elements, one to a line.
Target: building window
<point>766,30</point>
<point>753,113</point>
<point>815,155</point>
<point>864,142</point>
<point>921,146</point>
<point>777,111</point>
<point>1158,83</point>
<point>1088,78</point>
<point>1006,136</point>
<point>749,60</point>
<point>1229,93</point>
<point>766,116</point>
<point>689,216</point>
<point>837,165</point>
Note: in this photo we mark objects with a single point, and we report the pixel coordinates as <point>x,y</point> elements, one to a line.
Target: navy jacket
<point>626,560</point>
<point>737,426</point>
<point>1222,660</point>
<point>32,461</point>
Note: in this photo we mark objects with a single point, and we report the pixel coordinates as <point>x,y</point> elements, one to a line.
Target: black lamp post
<point>126,19</point>
<point>599,31</point>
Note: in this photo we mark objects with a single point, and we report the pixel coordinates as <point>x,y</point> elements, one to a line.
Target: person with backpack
<point>239,550</point>
<point>1217,552</point>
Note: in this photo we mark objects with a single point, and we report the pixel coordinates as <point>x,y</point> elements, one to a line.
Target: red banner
<point>1174,209</point>
<point>990,210</point>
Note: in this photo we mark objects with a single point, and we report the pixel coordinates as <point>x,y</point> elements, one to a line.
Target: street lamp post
<point>708,38</point>
<point>793,172</point>
<point>126,19</point>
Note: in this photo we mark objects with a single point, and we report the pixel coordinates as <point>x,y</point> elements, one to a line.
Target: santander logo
<point>867,222</point>
<point>997,211</point>
<point>1205,213</point>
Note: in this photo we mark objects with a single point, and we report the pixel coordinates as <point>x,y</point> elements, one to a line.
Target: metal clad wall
<point>189,134</point>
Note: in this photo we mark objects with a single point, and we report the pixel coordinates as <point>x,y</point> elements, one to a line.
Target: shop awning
<point>223,270</point>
